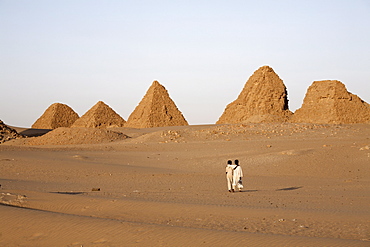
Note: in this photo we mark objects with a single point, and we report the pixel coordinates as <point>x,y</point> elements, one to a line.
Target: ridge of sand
<point>55,116</point>
<point>156,109</point>
<point>100,116</point>
<point>73,136</point>
<point>330,102</point>
<point>232,132</point>
<point>263,99</point>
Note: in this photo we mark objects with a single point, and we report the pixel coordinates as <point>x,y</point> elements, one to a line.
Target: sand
<point>304,185</point>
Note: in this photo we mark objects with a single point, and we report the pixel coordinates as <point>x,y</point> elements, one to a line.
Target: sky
<point>78,52</point>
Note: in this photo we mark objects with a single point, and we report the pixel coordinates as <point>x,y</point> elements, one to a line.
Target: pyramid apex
<point>327,82</point>
<point>156,109</point>
<point>156,83</point>
<point>265,68</point>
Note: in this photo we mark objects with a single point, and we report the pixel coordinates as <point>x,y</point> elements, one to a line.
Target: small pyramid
<point>57,115</point>
<point>100,116</point>
<point>330,102</point>
<point>156,109</point>
<point>264,98</point>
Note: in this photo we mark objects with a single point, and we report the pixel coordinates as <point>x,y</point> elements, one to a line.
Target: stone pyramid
<point>156,109</point>
<point>100,116</point>
<point>57,115</point>
<point>264,98</point>
<point>330,102</point>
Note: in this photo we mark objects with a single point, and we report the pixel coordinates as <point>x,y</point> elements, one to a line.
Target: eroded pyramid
<point>55,116</point>
<point>264,98</point>
<point>156,109</point>
<point>100,116</point>
<point>330,102</point>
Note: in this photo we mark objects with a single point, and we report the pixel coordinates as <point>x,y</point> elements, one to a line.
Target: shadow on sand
<point>69,192</point>
<point>34,132</point>
<point>248,191</point>
<point>282,189</point>
<point>290,188</point>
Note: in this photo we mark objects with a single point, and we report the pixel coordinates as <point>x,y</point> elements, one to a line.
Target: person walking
<point>229,175</point>
<point>237,176</point>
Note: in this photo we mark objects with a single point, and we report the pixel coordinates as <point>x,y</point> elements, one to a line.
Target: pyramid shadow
<point>34,132</point>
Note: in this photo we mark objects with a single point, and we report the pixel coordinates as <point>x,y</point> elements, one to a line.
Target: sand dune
<point>305,185</point>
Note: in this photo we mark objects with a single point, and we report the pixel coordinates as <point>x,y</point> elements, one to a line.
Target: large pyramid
<point>156,109</point>
<point>330,102</point>
<point>100,116</point>
<point>263,99</point>
<point>57,115</point>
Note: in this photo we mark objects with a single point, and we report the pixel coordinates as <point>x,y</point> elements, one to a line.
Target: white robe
<point>229,176</point>
<point>237,175</point>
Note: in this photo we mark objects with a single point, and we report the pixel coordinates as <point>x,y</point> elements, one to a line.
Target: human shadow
<point>290,188</point>
<point>249,191</point>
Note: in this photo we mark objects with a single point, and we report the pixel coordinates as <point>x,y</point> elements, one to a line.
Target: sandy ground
<point>304,185</point>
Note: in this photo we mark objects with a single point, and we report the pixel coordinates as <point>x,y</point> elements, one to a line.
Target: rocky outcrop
<point>100,116</point>
<point>156,109</point>
<point>263,99</point>
<point>57,115</point>
<point>330,102</point>
<point>7,133</point>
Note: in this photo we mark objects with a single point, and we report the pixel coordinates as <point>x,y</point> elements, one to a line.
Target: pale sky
<point>78,52</point>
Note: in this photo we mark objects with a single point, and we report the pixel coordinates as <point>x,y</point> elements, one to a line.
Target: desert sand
<point>304,185</point>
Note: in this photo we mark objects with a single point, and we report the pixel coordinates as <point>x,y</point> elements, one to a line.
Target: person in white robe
<point>237,176</point>
<point>229,175</point>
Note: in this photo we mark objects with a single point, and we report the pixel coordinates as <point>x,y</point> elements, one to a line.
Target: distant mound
<point>57,115</point>
<point>70,136</point>
<point>233,132</point>
<point>156,109</point>
<point>330,102</point>
<point>263,99</point>
<point>7,133</point>
<point>100,116</point>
